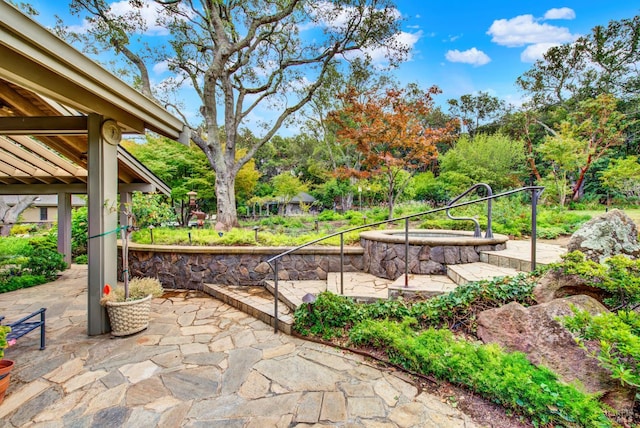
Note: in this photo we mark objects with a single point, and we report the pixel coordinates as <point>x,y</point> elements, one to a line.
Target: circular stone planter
<point>430,251</point>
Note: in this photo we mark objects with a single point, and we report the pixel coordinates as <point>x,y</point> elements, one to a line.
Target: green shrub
<point>619,276</point>
<point>505,378</point>
<point>44,259</point>
<point>458,308</point>
<point>18,281</point>
<point>329,316</point>
<point>615,339</point>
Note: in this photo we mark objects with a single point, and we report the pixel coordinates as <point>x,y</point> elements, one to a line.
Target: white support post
<point>64,226</point>
<point>102,166</point>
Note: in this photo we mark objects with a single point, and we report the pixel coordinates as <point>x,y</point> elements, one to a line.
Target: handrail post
<point>275,295</point>
<point>342,264</point>
<point>534,226</point>
<point>406,252</point>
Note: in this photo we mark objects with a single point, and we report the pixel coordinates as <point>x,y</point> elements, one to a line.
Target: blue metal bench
<point>26,325</point>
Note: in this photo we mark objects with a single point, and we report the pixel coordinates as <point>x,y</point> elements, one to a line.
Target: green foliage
<point>79,231</point>
<point>623,175</point>
<point>237,236</point>
<point>617,340</point>
<point>150,209</point>
<point>458,309</point>
<point>506,378</point>
<point>28,262</point>
<point>329,316</point>
<point>619,276</point>
<point>16,280</point>
<point>426,187</point>
<point>43,258</point>
<point>493,159</point>
<point>4,330</point>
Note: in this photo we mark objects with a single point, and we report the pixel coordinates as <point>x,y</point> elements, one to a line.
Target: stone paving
<point>200,363</point>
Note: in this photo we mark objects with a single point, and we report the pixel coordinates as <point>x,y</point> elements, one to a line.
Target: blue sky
<point>508,33</point>
<point>467,46</point>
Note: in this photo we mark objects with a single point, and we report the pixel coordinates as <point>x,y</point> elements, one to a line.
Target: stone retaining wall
<point>190,266</point>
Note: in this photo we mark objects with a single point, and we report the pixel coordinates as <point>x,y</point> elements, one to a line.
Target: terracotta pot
<point>5,367</point>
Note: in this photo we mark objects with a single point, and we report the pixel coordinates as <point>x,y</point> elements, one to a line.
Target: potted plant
<point>129,309</point>
<point>5,365</point>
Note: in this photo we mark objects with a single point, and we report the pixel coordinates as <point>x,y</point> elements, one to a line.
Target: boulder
<point>536,332</point>
<point>554,285</point>
<point>606,235</point>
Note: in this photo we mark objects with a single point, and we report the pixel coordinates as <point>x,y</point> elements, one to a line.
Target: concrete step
<point>424,286</point>
<point>255,301</point>
<point>517,255</point>
<point>291,292</point>
<point>469,272</point>
<point>363,287</point>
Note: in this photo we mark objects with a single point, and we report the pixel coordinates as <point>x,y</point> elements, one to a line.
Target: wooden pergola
<point>61,119</point>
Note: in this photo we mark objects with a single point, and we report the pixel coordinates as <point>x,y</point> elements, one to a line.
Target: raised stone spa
<point>429,250</point>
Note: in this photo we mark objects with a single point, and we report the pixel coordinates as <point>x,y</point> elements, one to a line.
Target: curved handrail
<point>535,192</point>
<point>477,233</point>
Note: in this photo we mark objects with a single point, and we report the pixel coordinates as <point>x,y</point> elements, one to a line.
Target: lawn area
<point>634,213</point>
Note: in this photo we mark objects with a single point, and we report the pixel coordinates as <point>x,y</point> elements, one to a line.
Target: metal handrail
<point>476,232</point>
<point>535,194</point>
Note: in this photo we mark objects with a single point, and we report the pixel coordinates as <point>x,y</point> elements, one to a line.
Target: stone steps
<point>469,272</point>
<point>364,287</point>
<point>253,300</point>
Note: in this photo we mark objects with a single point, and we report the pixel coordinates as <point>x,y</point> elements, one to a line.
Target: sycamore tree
<point>389,133</point>
<point>240,57</point>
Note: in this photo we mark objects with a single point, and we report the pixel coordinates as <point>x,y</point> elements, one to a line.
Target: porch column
<point>102,186</point>
<point>64,226</point>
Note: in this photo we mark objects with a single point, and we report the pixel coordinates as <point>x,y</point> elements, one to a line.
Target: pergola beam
<point>43,125</point>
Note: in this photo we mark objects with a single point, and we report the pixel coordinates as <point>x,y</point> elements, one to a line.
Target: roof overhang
<point>37,60</point>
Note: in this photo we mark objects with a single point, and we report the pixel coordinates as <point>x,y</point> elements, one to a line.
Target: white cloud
<point>471,56</point>
<point>161,67</point>
<point>80,29</point>
<point>536,51</point>
<point>149,13</point>
<point>560,13</point>
<point>525,30</point>
<point>413,27</point>
<point>451,38</point>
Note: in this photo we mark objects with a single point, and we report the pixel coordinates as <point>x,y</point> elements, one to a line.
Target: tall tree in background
<point>389,133</point>
<point>604,61</point>
<point>474,110</point>
<point>239,55</point>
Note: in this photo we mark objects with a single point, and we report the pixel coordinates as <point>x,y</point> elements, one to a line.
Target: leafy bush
<point>328,317</point>
<point>44,259</point>
<point>458,309</point>
<point>79,231</point>
<point>616,337</point>
<point>619,276</point>
<point>332,315</point>
<point>28,262</point>
<point>506,378</point>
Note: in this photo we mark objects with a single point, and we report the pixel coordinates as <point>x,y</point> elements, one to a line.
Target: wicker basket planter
<point>129,317</point>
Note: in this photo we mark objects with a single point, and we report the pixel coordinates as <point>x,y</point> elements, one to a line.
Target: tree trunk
<point>227,216</point>
<point>9,215</point>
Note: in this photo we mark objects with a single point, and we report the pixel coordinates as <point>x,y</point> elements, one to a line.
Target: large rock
<point>555,284</point>
<point>605,236</point>
<point>536,332</point>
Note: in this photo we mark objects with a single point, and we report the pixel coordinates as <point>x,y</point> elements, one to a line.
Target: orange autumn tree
<point>390,133</point>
